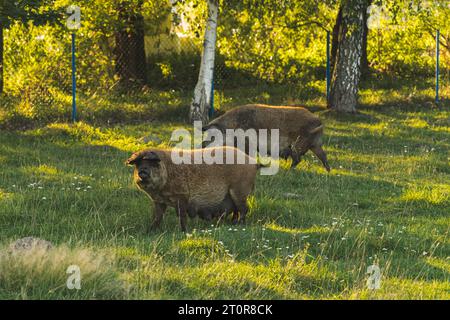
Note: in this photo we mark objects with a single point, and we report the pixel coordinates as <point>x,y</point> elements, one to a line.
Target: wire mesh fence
<point>36,69</point>
<point>133,69</point>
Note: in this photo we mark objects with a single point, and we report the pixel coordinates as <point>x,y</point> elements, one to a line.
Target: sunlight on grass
<point>416,123</point>
<point>309,233</point>
<point>222,280</point>
<point>127,139</point>
<point>5,195</point>
<point>441,129</point>
<point>400,288</point>
<point>442,264</point>
<point>314,229</point>
<point>42,169</point>
<point>378,96</point>
<point>376,128</point>
<point>437,194</point>
<point>200,248</point>
<point>38,273</point>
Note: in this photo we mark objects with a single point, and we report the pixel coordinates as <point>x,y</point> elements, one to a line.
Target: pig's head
<point>210,131</point>
<point>150,173</point>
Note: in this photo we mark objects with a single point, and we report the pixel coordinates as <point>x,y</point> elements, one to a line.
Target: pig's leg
<point>182,213</point>
<point>240,201</point>
<point>296,157</point>
<point>289,152</point>
<point>243,213</point>
<point>298,150</point>
<point>286,153</point>
<point>160,208</point>
<point>192,211</point>
<point>235,218</point>
<point>318,151</point>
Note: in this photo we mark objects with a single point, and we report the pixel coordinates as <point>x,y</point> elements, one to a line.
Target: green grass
<point>309,234</point>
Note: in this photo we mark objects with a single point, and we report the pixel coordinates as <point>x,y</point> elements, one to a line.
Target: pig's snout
<point>143,175</point>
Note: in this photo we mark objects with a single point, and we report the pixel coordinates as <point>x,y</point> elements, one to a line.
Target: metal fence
<point>38,72</point>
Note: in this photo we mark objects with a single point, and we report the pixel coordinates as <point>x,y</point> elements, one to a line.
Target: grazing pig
<point>206,190</point>
<point>299,129</point>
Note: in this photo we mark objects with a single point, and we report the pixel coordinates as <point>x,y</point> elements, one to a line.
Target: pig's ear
<point>135,157</point>
<point>151,156</point>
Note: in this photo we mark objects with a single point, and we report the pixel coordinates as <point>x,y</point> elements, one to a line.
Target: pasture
<point>309,234</point>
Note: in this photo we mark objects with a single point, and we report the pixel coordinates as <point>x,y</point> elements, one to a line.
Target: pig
<point>299,129</point>
<point>220,210</point>
<point>206,190</point>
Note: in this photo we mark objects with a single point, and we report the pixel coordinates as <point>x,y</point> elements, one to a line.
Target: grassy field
<point>309,234</point>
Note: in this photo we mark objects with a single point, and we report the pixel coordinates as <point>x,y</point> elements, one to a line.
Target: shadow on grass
<point>107,109</point>
<point>349,118</point>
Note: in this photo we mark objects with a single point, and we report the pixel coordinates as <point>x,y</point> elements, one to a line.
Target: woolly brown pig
<point>207,190</point>
<point>299,129</point>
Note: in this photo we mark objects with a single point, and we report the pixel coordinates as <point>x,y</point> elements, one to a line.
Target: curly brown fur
<point>300,130</point>
<point>194,189</point>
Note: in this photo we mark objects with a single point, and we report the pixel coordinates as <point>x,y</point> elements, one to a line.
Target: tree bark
<point>130,58</point>
<point>347,67</point>
<point>201,102</point>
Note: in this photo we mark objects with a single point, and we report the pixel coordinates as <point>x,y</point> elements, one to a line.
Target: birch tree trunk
<point>201,102</point>
<point>347,67</point>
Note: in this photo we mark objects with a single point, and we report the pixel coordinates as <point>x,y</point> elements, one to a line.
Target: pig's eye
<point>151,163</point>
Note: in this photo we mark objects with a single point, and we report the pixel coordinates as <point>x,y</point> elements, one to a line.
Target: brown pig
<point>207,190</point>
<point>299,129</point>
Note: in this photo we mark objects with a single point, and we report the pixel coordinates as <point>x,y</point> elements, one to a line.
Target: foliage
<point>282,42</point>
<point>402,39</point>
<point>36,11</point>
<point>278,42</point>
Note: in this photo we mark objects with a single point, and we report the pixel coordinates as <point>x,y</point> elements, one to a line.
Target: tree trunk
<point>347,67</point>
<point>364,61</point>
<point>201,102</point>
<point>129,51</point>
<point>335,38</point>
<point>1,59</point>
